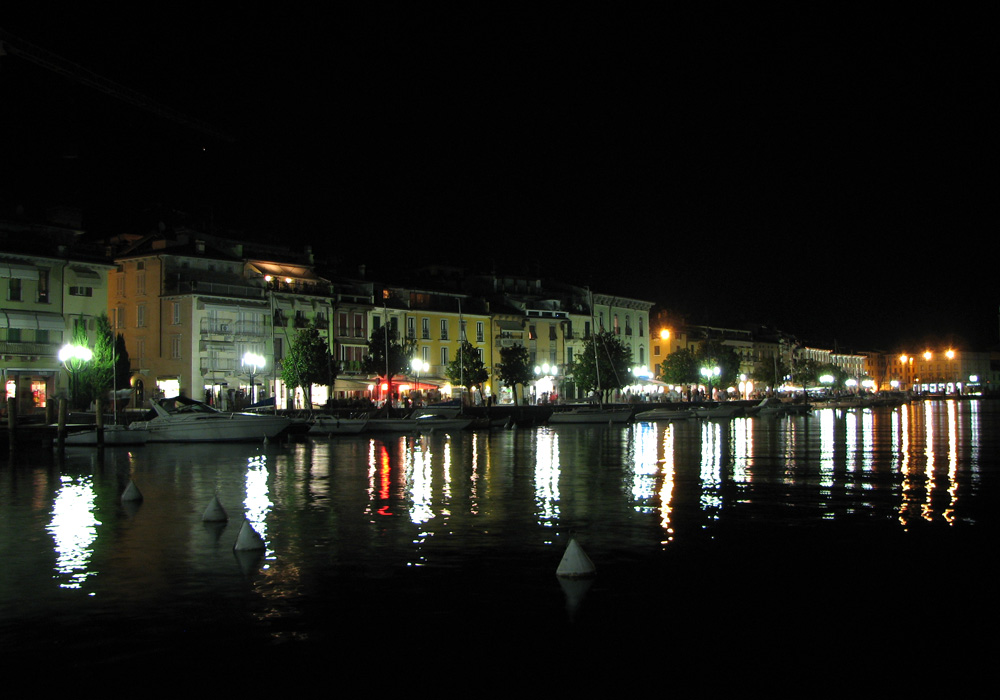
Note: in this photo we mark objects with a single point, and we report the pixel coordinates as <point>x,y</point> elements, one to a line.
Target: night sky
<point>827,182</point>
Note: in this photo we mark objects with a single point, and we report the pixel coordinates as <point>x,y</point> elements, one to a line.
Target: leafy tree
<point>308,362</point>
<point>467,369</point>
<point>606,370</point>
<point>807,373</point>
<point>770,374</point>
<point>123,364</point>
<point>713,354</point>
<point>387,356</point>
<point>680,367</point>
<point>93,378</point>
<point>515,368</point>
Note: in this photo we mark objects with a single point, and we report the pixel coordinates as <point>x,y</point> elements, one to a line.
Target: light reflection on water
<point>344,519</point>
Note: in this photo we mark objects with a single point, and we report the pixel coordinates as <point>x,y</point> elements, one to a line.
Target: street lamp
<point>72,358</point>
<point>547,373</point>
<point>253,363</point>
<point>418,366</point>
<point>709,373</point>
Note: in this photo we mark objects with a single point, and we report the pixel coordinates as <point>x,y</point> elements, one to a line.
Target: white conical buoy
<point>214,513</point>
<point>131,492</point>
<point>575,562</point>
<point>248,538</point>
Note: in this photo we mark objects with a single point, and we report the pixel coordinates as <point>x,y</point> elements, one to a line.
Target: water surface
<point>795,541</point>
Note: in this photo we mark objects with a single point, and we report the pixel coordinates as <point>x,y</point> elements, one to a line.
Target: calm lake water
<point>725,551</point>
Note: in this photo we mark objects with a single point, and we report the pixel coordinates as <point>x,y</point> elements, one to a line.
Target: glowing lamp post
<point>545,375</point>
<point>72,358</point>
<point>253,364</point>
<point>710,373</point>
<point>418,366</point>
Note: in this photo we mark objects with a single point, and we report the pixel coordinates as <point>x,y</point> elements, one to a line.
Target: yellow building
<point>435,323</point>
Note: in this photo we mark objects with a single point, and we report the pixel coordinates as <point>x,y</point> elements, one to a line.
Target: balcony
<point>215,289</point>
<point>219,364</point>
<point>11,347</point>
<point>217,327</point>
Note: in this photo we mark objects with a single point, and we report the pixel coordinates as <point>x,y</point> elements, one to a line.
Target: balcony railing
<point>11,347</point>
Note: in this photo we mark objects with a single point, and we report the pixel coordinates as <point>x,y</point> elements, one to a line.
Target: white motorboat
<point>325,424</point>
<point>591,414</point>
<point>180,419</point>
<point>113,435</point>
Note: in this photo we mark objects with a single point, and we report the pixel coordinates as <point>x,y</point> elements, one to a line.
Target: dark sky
<point>832,183</point>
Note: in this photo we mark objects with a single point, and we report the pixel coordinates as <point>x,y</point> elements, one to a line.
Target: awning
<point>18,270</point>
<point>295,272</point>
<point>31,319</point>
<point>77,275</point>
<point>510,325</point>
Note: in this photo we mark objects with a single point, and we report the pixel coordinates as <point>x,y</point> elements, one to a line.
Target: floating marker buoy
<point>575,562</point>
<point>131,492</point>
<point>214,513</point>
<point>248,538</point>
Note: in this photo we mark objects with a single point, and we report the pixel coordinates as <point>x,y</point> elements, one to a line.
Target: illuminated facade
<point>435,323</point>
<point>44,294</point>
<point>195,311</point>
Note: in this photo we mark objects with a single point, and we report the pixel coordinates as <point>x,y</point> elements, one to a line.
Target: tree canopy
<point>387,356</point>
<point>467,369</point>
<point>515,368</point>
<point>308,362</point>
<point>606,370</point>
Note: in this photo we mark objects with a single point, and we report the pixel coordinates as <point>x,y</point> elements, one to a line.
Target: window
<point>176,313</point>
<point>140,283</point>
<point>140,316</point>
<point>444,329</point>
<point>444,357</point>
<point>480,332</point>
<point>425,328</point>
<point>411,327</point>
<point>120,284</point>
<point>81,291</point>
<point>121,317</point>
<point>175,347</point>
<point>14,289</point>
<point>43,286</point>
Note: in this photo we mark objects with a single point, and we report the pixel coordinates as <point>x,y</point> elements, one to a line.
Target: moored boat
<point>325,424</point>
<point>591,414</point>
<point>427,421</point>
<point>112,435</point>
<point>664,414</point>
<point>180,419</point>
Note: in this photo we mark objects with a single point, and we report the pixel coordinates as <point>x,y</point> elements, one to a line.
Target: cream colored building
<point>43,297</point>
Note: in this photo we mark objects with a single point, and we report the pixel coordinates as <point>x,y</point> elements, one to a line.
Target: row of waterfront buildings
<point>192,306</point>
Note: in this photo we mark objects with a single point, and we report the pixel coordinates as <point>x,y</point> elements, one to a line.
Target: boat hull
<point>591,416</point>
<point>113,435</point>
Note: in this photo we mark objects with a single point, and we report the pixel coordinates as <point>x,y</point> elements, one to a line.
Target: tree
<point>308,362</point>
<point>770,374</point>
<point>386,356</point>
<point>515,368</point>
<point>93,378</point>
<point>680,367</point>
<point>467,369</point>
<point>714,354</point>
<point>806,373</point>
<point>123,364</point>
<point>606,370</point>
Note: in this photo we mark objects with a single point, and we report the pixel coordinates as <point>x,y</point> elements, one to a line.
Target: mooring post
<point>100,422</point>
<point>61,428</point>
<point>12,421</point>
